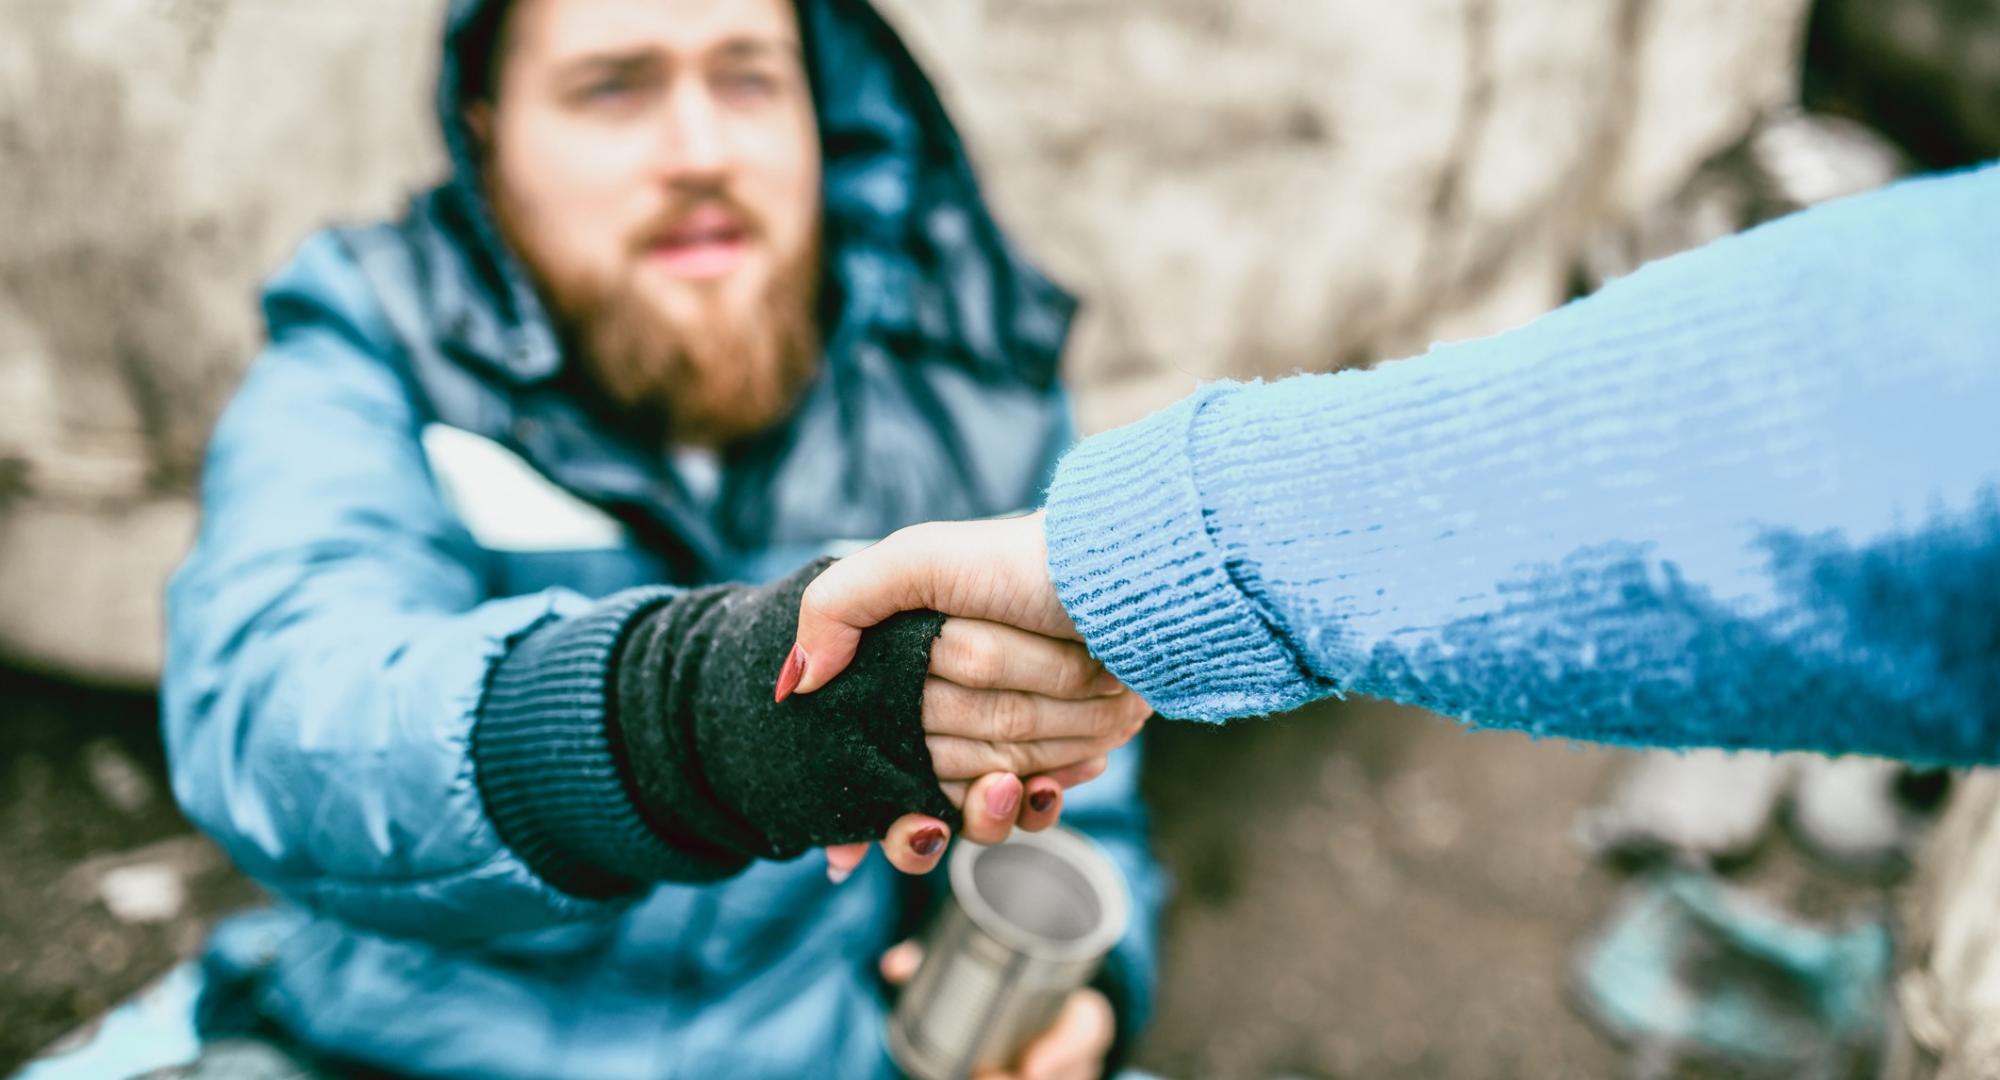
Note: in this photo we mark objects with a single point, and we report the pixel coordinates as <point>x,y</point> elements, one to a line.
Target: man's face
<point>656,165</point>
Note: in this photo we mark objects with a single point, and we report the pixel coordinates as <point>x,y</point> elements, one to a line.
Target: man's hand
<point>1073,1048</point>
<point>1014,692</point>
<point>1002,703</point>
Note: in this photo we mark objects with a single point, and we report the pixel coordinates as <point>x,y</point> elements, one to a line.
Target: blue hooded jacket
<point>362,567</point>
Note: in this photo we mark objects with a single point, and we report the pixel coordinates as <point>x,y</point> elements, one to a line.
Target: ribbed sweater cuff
<point>1135,566</point>
<point>546,771</point>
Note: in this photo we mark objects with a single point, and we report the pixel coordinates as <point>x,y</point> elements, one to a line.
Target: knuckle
<point>1018,718</point>
<point>1108,717</point>
<point>984,664</point>
<point>957,703</point>
<point>956,759</point>
<point>995,759</point>
<point>1078,669</point>
<point>946,706</point>
<point>965,656</point>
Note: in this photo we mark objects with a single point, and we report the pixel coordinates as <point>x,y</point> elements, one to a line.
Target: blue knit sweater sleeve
<point>1748,496</point>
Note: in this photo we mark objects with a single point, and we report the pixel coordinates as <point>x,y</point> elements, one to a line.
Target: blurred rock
<point>1238,188</point>
<point>146,884</point>
<point>145,893</point>
<point>1696,805</point>
<point>1850,814</point>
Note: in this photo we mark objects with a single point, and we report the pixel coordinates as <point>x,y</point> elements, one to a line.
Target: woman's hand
<point>992,570</point>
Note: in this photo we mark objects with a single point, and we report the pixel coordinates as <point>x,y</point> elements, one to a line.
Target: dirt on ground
<point>88,830</point>
<point>1364,891</point>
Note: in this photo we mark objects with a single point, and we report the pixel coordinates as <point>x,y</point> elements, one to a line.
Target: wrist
<point>544,758</point>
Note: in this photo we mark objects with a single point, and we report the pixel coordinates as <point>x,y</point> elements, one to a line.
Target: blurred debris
<point>116,776</point>
<point>147,884</point>
<point>1701,806</point>
<point>1690,969</point>
<point>1862,816</point>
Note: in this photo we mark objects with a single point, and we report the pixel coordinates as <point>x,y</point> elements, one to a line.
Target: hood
<point>913,257</point>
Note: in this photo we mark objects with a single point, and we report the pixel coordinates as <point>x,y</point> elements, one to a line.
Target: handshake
<point>928,683</point>
<point>1014,709</point>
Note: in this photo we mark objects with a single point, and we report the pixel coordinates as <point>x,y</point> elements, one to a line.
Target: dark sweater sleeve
<point>638,742</point>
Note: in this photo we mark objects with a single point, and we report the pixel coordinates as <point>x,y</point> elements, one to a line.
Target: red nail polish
<point>927,841</point>
<point>794,670</point>
<point>1040,801</point>
<point>1002,800</point>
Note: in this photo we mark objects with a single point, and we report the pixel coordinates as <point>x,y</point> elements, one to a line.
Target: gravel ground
<point>1364,891</point>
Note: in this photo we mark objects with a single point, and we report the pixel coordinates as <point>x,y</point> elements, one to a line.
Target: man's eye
<point>747,86</point>
<point>606,90</point>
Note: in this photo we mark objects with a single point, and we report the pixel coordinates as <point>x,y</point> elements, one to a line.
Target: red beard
<point>711,381</point>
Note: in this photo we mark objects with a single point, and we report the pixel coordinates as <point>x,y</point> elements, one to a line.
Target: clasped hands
<point>1014,709</point>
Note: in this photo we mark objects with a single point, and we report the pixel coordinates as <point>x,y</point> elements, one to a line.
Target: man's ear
<point>479,120</point>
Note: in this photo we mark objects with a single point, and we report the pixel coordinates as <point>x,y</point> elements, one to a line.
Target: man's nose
<point>695,142</point>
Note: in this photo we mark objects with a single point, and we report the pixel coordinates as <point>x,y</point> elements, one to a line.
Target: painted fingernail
<point>927,841</point>
<point>1003,799</point>
<point>838,874</point>
<point>795,669</point>
<point>1040,801</point>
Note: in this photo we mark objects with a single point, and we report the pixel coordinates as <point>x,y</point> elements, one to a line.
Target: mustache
<point>686,204</point>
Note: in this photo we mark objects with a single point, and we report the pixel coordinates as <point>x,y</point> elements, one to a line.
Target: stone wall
<point>1244,189</point>
<point>1238,187</point>
<point>157,158</point>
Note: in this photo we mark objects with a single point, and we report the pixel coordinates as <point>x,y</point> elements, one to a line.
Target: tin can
<point>1027,923</point>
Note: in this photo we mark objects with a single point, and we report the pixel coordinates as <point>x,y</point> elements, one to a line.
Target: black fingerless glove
<point>637,741</point>
<point>720,769</point>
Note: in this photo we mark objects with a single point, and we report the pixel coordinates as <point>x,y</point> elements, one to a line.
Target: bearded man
<point>457,668</point>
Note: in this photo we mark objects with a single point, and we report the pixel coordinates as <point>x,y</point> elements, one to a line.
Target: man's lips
<point>708,243</point>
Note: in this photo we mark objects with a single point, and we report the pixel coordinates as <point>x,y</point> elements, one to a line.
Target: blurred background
<point>1237,187</point>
